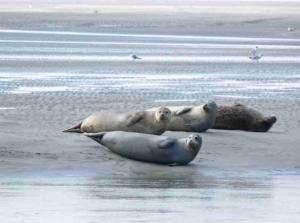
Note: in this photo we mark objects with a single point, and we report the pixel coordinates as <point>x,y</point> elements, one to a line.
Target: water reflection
<point>158,194</point>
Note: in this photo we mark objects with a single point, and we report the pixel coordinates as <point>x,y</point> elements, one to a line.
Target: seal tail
<point>76,128</point>
<point>95,136</point>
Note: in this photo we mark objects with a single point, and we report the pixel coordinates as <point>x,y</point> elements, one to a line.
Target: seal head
<point>194,143</point>
<point>210,107</point>
<point>163,114</point>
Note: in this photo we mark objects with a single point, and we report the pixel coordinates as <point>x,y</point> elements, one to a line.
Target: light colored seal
<point>150,148</point>
<point>149,122</point>
<point>192,118</point>
<point>240,117</point>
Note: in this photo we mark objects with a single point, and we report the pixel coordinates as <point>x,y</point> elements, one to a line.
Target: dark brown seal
<point>241,117</point>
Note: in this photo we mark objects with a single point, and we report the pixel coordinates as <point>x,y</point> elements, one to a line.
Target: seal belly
<point>177,124</point>
<point>142,150</point>
<point>195,119</point>
<point>102,122</point>
<point>150,148</point>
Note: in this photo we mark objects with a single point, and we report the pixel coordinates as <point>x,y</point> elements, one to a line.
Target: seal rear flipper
<point>76,128</point>
<point>268,123</point>
<point>166,143</point>
<point>174,164</point>
<point>237,104</point>
<point>183,111</point>
<point>95,136</point>
<point>271,119</point>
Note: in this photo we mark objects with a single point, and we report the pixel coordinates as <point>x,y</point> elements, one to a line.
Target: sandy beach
<point>58,67</point>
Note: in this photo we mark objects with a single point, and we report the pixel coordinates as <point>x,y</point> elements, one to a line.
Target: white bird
<point>291,29</point>
<point>254,51</point>
<point>135,57</point>
<point>255,55</point>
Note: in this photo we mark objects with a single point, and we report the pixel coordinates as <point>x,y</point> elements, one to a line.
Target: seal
<point>193,118</point>
<point>241,117</point>
<point>149,122</point>
<point>150,148</point>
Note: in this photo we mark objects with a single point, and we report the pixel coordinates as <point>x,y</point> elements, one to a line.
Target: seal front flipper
<point>191,127</point>
<point>76,128</point>
<point>134,118</point>
<point>183,110</point>
<point>166,143</point>
<point>95,136</point>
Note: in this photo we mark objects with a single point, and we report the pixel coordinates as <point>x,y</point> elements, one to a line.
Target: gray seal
<point>149,122</point>
<point>150,148</point>
<point>241,117</point>
<point>193,118</point>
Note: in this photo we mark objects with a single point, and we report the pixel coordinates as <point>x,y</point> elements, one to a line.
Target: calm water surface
<point>222,196</point>
<point>173,67</point>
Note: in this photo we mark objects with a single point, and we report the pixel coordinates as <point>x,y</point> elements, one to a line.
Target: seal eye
<point>196,137</point>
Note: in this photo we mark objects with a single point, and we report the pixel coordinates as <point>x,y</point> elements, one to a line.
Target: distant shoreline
<point>244,8</point>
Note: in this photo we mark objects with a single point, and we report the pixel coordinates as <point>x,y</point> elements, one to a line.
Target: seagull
<point>255,55</point>
<point>291,29</point>
<point>135,57</point>
<point>254,51</point>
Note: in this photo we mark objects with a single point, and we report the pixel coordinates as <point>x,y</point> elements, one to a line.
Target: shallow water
<point>225,196</point>
<point>173,67</point>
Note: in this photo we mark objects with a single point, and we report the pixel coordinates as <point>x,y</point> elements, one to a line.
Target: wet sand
<point>50,79</point>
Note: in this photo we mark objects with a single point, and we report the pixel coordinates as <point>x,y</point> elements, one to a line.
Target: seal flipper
<point>166,143</point>
<point>134,118</point>
<point>238,104</point>
<point>95,136</point>
<point>271,119</point>
<point>174,164</point>
<point>191,127</point>
<point>183,110</point>
<point>268,122</point>
<point>76,128</point>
